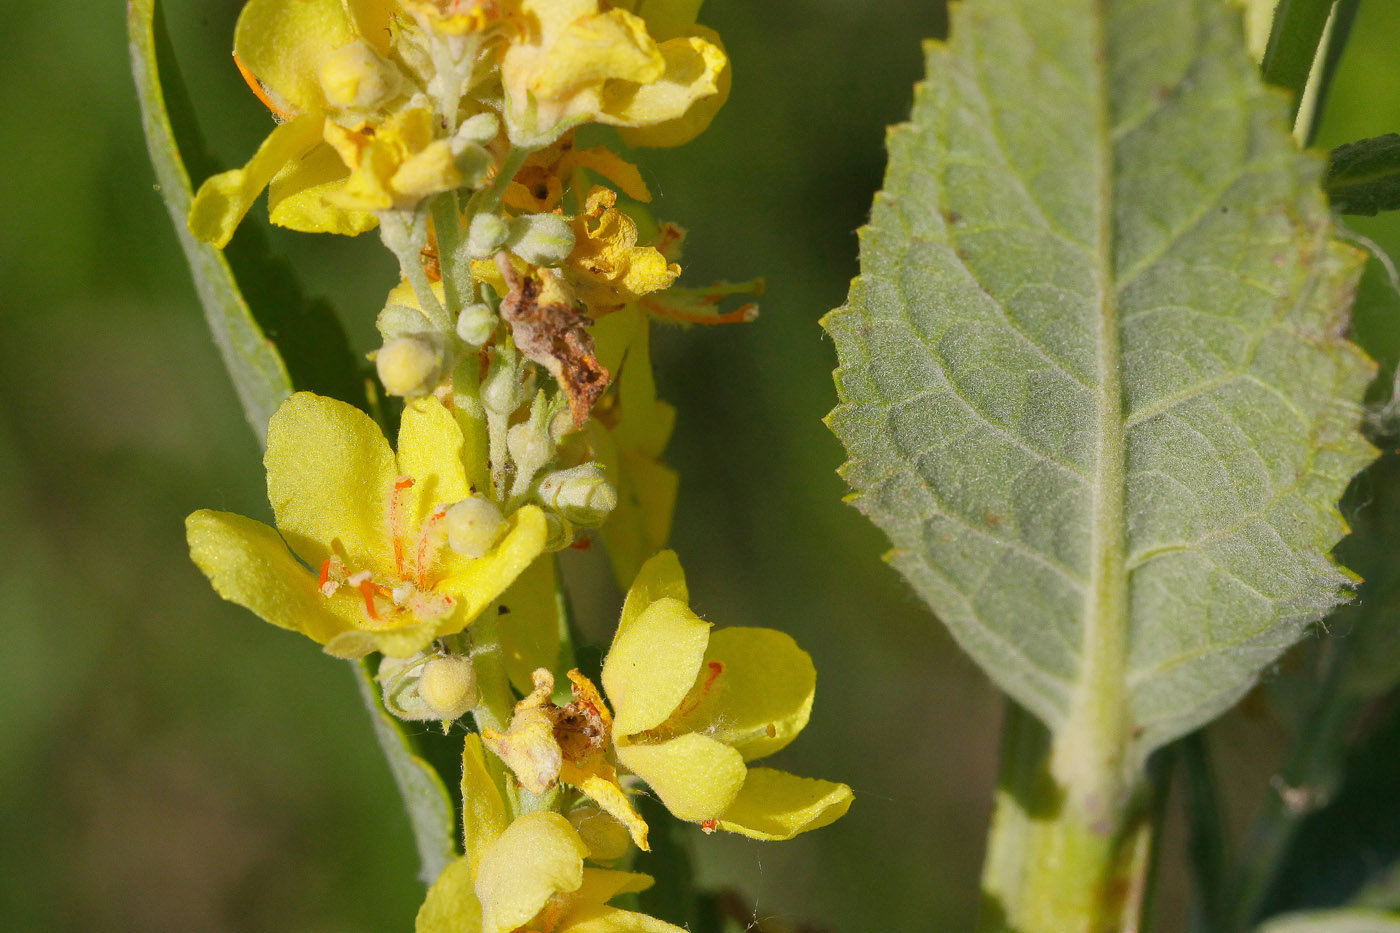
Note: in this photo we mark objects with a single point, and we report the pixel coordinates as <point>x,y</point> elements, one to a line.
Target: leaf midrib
<point>1090,749</point>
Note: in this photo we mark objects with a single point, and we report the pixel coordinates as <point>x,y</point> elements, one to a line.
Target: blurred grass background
<point>169,762</point>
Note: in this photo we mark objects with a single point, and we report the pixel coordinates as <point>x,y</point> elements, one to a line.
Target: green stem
<point>493,686</point>
<point>1053,864</point>
<point>1207,844</point>
<point>1293,41</point>
<point>1325,69</point>
<point>1305,782</point>
<point>406,235</point>
<point>447,224</point>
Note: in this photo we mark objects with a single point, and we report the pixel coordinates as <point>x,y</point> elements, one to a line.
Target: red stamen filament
<point>425,540</point>
<point>716,668</point>
<point>740,315</point>
<point>325,574</point>
<point>396,519</point>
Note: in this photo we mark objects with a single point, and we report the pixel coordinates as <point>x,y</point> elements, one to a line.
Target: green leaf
<point>1297,30</point>
<point>1334,921</point>
<point>425,797</point>
<point>308,336</point>
<point>1364,177</point>
<point>1094,377</point>
<point>259,375</point>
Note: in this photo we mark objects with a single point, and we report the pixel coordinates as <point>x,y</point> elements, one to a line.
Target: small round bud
<point>355,77</point>
<point>476,324</point>
<point>474,525</point>
<point>409,366</point>
<point>501,390</point>
<point>447,686</point>
<point>530,448</point>
<point>581,494</point>
<point>541,239</point>
<point>476,131</point>
<point>486,235</point>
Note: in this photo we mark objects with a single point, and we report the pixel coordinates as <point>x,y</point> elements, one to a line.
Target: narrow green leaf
<point>1364,177</point>
<point>259,375</point>
<point>1094,379</point>
<point>1293,41</point>
<point>425,797</point>
<point>1334,921</point>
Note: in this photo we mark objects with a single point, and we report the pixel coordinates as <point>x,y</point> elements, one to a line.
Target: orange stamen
<point>396,519</point>
<point>325,573</point>
<point>367,589</point>
<point>425,540</point>
<point>716,668</point>
<point>259,91</point>
<point>709,826</point>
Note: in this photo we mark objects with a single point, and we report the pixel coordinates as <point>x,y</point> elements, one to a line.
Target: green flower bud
<point>476,131</point>
<point>530,448</point>
<point>447,686</point>
<point>486,235</point>
<point>476,324</point>
<point>474,525</point>
<point>410,366</point>
<point>355,77</point>
<point>501,390</point>
<point>581,494</point>
<point>541,239</point>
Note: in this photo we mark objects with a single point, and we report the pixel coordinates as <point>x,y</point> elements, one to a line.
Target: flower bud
<point>486,235</point>
<point>355,77</point>
<point>581,494</point>
<point>541,239</point>
<point>606,838</point>
<point>474,525</point>
<point>530,448</point>
<point>447,686</point>
<point>501,391</point>
<point>476,131</point>
<point>410,366</point>
<point>476,324</point>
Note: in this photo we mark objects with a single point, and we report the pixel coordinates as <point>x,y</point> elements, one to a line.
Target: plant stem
<point>1207,843</point>
<point>1053,865</point>
<point>1293,41</point>
<point>1305,782</point>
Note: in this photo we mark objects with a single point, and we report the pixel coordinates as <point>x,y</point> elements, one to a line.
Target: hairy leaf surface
<point>1094,376</point>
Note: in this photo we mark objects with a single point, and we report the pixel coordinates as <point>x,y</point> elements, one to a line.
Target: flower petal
<point>329,474</point>
<point>430,452</point>
<point>297,197</point>
<point>529,624</point>
<point>776,805</point>
<point>538,856</point>
<point>484,816</point>
<point>249,564</point>
<point>284,45</point>
<point>477,583</point>
<point>593,49</point>
<point>222,201</point>
<point>679,106</point>
<point>695,776</point>
<point>601,885</point>
<point>612,920</point>
<point>652,665</point>
<point>600,785</point>
<point>761,696</point>
<point>659,578</point>
<point>451,905</point>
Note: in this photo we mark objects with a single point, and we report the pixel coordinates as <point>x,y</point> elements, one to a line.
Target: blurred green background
<point>169,762</point>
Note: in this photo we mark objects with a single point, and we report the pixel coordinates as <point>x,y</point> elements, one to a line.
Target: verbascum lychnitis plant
<point>518,341</point>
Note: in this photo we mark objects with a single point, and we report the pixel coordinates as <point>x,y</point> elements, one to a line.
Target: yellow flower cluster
<point>519,340</point>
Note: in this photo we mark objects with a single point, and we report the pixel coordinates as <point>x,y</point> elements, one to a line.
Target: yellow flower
<point>629,431</point>
<point>607,268</point>
<point>575,62</point>
<point>358,561</point>
<point>540,183</point>
<point>305,60</point>
<point>394,164</point>
<point>691,708</point>
<point>528,875</point>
